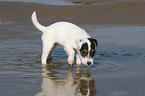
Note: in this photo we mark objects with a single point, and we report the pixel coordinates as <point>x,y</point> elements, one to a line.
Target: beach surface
<point>112,13</point>
<point>118,69</point>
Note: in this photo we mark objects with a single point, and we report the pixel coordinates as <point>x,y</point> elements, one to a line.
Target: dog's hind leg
<point>47,47</point>
<point>49,58</point>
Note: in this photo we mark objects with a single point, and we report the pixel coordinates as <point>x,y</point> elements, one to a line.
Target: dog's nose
<point>89,63</point>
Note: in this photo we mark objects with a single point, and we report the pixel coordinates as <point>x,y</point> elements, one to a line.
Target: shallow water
<point>118,68</point>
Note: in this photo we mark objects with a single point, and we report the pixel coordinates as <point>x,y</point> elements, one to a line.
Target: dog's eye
<point>84,52</point>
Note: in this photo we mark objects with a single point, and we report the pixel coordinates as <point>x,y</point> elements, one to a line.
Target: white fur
<point>63,33</point>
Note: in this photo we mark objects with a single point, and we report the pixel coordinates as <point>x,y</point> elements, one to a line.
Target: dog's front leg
<point>78,60</point>
<point>70,51</point>
<point>70,59</point>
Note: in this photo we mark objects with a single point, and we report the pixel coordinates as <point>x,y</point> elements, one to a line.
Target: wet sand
<point>114,13</point>
<point>118,68</point>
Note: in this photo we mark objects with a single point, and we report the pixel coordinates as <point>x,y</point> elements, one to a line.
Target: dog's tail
<point>36,23</point>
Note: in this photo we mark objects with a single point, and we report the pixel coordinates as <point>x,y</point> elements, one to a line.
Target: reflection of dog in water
<point>86,85</point>
<point>82,85</point>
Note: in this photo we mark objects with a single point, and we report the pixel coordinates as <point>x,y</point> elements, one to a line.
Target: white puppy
<point>71,37</point>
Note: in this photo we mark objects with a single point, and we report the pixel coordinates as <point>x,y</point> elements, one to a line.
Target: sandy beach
<point>114,13</point>
<point>118,68</point>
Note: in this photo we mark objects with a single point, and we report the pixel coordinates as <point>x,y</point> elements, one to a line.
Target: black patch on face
<point>93,45</point>
<point>84,50</point>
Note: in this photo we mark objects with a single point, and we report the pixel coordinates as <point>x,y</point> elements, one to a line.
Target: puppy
<point>71,37</point>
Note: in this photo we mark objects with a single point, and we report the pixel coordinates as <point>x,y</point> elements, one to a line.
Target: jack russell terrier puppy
<point>71,37</point>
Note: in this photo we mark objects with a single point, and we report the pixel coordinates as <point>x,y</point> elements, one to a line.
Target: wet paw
<point>70,60</point>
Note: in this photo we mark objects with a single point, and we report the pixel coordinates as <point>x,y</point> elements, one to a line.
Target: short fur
<point>67,35</point>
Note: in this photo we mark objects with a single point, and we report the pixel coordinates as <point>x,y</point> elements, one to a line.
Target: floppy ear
<point>94,41</point>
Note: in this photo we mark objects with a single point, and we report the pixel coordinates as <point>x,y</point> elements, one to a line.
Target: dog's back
<point>60,31</point>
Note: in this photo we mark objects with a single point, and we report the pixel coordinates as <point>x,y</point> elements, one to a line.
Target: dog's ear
<point>94,41</point>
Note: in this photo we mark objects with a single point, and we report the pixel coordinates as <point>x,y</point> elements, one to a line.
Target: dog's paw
<point>70,60</point>
<point>71,66</point>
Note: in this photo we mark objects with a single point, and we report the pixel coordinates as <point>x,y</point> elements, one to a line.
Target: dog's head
<point>86,49</point>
